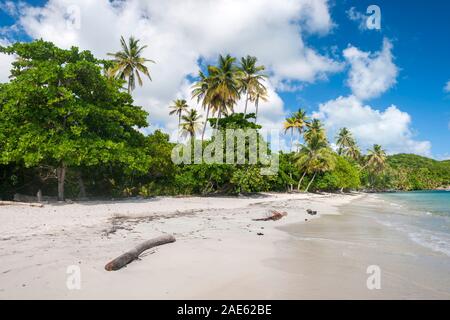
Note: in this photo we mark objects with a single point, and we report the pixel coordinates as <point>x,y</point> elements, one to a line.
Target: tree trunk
<point>82,193</point>
<point>301,180</point>
<point>310,183</point>
<point>179,127</point>
<point>256,106</point>
<point>217,121</point>
<point>292,139</point>
<point>246,104</point>
<point>61,173</point>
<point>133,254</point>
<point>204,126</point>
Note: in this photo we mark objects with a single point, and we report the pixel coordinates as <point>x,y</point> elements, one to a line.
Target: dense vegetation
<point>69,127</point>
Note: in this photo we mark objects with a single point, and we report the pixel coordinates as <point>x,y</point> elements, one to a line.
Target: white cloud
<point>358,17</point>
<point>5,62</point>
<point>447,87</point>
<point>390,128</point>
<point>371,74</point>
<point>180,32</point>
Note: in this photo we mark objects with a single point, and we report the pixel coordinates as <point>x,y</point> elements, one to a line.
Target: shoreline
<point>220,252</point>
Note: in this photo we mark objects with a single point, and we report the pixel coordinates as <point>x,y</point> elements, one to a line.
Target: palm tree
<point>203,92</point>
<point>315,128</point>
<point>191,123</point>
<point>344,140</point>
<point>290,124</point>
<point>259,94</point>
<point>353,152</point>
<point>376,159</point>
<point>314,157</point>
<point>179,107</point>
<point>301,122</point>
<point>224,86</point>
<point>129,64</point>
<point>251,79</point>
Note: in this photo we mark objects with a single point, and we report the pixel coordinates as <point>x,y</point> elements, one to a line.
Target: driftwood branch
<point>275,215</point>
<point>15,203</point>
<point>133,254</point>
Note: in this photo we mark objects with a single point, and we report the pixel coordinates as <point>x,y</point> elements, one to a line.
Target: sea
<point>424,216</point>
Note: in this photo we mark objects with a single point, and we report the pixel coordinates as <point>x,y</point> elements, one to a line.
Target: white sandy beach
<point>218,253</point>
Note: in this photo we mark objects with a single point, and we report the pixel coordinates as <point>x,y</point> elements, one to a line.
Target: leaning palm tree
<point>179,107</point>
<point>314,157</point>
<point>251,79</point>
<point>129,63</point>
<point>314,129</point>
<point>353,152</point>
<point>191,124</point>
<point>290,125</point>
<point>224,85</point>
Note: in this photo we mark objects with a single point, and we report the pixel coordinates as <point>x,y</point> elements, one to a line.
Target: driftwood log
<point>133,254</point>
<point>15,203</point>
<point>274,216</point>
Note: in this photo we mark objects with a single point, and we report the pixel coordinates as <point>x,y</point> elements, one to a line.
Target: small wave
<point>430,241</point>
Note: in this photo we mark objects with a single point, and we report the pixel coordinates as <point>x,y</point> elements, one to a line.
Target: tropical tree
<point>224,85</point>
<point>301,122</point>
<point>376,159</point>
<point>191,124</point>
<point>202,91</point>
<point>315,156</point>
<point>290,125</point>
<point>344,140</point>
<point>315,129</point>
<point>260,94</point>
<point>179,107</point>
<point>59,111</point>
<point>252,80</point>
<point>347,145</point>
<point>129,63</point>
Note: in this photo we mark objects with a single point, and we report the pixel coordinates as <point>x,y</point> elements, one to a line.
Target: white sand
<point>218,253</point>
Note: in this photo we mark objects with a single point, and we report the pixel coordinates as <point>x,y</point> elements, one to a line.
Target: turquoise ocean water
<point>423,215</point>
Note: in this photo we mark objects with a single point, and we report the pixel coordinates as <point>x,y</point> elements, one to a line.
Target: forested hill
<point>421,168</point>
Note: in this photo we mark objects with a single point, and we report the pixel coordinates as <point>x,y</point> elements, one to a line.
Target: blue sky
<point>417,32</point>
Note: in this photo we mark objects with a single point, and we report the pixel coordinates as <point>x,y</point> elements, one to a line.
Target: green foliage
<point>59,109</point>
<point>345,176</point>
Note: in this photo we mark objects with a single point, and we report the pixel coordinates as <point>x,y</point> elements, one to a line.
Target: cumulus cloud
<point>180,33</point>
<point>371,74</point>
<point>390,128</point>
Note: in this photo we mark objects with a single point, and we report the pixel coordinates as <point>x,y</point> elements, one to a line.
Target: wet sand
<point>329,258</point>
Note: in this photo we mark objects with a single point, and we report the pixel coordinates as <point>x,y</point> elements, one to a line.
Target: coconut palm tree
<point>224,85</point>
<point>344,140</point>
<point>376,159</point>
<point>129,63</point>
<point>301,122</point>
<point>260,94</point>
<point>315,128</point>
<point>179,107</point>
<point>314,157</point>
<point>191,124</point>
<point>353,152</point>
<point>251,79</point>
<point>290,125</point>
